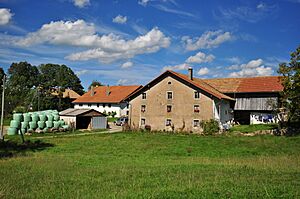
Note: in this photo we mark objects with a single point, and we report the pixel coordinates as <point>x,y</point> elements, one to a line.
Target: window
<point>143,121</point>
<point>197,95</point>
<point>169,82</point>
<point>196,123</point>
<point>80,104</point>
<point>109,105</point>
<point>98,105</point>
<point>103,105</point>
<point>143,108</point>
<point>196,109</point>
<point>143,95</point>
<point>127,106</point>
<point>169,95</point>
<point>89,105</point>
<point>169,108</point>
<point>168,122</point>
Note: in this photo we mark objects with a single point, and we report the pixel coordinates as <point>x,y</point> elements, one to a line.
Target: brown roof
<point>246,85</point>
<point>198,83</point>
<point>116,94</point>
<point>68,93</point>
<point>203,85</point>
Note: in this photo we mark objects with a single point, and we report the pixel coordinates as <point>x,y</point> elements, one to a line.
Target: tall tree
<point>95,83</point>
<point>22,79</point>
<point>1,78</point>
<point>291,84</point>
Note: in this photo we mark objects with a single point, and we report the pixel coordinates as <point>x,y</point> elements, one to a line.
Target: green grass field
<point>252,128</point>
<point>141,165</point>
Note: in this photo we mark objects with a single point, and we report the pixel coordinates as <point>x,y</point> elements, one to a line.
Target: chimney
<point>92,91</point>
<point>190,73</point>
<point>107,90</point>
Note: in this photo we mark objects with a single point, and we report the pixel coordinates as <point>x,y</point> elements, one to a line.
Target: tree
<point>56,78</point>
<point>95,83</point>
<point>291,86</point>
<point>22,78</point>
<point>1,78</point>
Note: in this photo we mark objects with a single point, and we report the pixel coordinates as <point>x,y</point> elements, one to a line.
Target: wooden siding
<point>262,103</point>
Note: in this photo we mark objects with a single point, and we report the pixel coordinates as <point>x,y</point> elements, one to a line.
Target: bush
<point>210,126</point>
<point>20,109</point>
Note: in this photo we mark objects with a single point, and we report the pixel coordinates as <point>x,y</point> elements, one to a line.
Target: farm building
<point>106,99</point>
<point>84,118</point>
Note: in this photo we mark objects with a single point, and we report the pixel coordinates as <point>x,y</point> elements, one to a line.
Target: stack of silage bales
<point>41,121</point>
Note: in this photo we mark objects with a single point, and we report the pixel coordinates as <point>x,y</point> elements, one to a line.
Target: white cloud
<point>203,71</point>
<point>174,11</point>
<point>234,60</point>
<point>127,64</point>
<point>143,2</point>
<point>122,81</point>
<point>120,19</point>
<point>105,48</point>
<point>251,69</point>
<point>5,16</point>
<point>209,39</point>
<point>81,3</point>
<point>200,57</point>
<point>183,66</point>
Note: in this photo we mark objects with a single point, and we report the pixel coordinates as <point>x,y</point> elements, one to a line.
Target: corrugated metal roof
<point>75,112</point>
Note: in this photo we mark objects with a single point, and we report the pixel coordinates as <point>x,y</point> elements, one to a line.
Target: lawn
<point>253,127</point>
<point>144,165</point>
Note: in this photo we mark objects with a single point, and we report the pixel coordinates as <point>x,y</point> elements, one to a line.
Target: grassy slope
<point>160,166</point>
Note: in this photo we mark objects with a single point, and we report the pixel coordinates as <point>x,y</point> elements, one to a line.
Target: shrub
<point>210,126</point>
<point>20,109</point>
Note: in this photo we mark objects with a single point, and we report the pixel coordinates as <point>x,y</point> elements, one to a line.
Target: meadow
<point>147,165</point>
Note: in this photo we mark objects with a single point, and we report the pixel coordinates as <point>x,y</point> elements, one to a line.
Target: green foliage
<point>22,79</point>
<point>95,83</point>
<point>113,113</point>
<point>144,165</point>
<point>20,109</point>
<point>253,127</point>
<point>291,84</point>
<point>210,126</point>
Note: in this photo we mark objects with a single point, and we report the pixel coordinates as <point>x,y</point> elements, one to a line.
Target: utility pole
<point>2,109</point>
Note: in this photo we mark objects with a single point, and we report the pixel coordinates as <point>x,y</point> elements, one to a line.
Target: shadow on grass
<point>10,149</point>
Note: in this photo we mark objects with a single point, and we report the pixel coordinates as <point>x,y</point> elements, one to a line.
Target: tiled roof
<point>246,85</point>
<point>203,85</point>
<point>116,94</point>
<point>68,93</point>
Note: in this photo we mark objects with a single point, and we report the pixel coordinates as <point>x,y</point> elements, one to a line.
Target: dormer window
<point>197,95</point>
<point>144,96</point>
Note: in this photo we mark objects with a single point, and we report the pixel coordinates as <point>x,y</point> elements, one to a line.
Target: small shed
<point>84,118</point>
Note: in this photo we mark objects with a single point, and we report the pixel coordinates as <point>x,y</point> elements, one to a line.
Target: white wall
<point>121,109</point>
<point>226,112</point>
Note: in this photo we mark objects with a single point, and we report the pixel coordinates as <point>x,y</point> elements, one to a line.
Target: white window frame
<point>171,108</point>
<point>194,123</point>
<point>143,96</point>
<point>166,120</point>
<point>195,109</point>
<point>143,111</point>
<point>168,96</point>
<point>195,95</point>
<point>142,120</point>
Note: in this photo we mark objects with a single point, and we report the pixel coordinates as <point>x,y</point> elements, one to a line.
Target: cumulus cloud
<point>200,57</point>
<point>105,48</point>
<point>251,69</point>
<point>183,66</point>
<point>209,39</point>
<point>127,64</point>
<point>5,16</point>
<point>120,19</point>
<point>81,3</point>
<point>203,71</point>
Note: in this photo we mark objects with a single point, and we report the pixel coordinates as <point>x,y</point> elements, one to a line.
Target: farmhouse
<point>106,99</point>
<point>175,101</point>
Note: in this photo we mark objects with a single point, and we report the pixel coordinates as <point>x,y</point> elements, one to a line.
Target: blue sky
<point>133,41</point>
